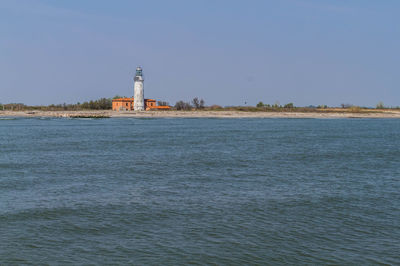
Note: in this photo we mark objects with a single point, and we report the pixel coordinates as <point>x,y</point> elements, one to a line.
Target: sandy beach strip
<point>199,114</point>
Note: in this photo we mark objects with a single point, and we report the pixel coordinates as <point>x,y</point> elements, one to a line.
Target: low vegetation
<point>199,104</point>
<point>196,103</point>
<point>100,104</point>
<point>277,107</point>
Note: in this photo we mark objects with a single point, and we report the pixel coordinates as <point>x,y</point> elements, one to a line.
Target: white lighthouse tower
<point>138,94</point>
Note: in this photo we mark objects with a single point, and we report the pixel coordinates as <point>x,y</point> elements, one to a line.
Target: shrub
<point>355,109</point>
<point>215,107</point>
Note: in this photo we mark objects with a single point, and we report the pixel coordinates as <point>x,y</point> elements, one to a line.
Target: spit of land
<point>331,113</point>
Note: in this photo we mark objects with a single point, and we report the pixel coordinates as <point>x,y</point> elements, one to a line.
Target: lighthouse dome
<point>139,71</point>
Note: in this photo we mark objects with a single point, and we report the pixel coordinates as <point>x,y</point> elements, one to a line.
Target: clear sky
<point>308,52</point>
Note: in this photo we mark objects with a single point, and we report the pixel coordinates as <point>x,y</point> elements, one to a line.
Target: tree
<point>289,105</point>
<point>260,104</point>
<point>196,103</point>
<point>202,103</point>
<point>380,106</point>
<point>104,103</point>
<point>276,105</point>
<point>181,105</point>
<point>162,103</point>
<point>85,105</point>
<point>117,97</point>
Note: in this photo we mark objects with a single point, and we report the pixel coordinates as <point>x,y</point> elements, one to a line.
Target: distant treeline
<point>276,105</point>
<point>100,104</point>
<point>199,104</point>
<point>195,104</point>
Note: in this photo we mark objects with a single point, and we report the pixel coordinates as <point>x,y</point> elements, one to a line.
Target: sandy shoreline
<point>201,114</point>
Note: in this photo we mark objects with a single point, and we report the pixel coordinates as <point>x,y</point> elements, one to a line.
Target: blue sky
<point>309,52</point>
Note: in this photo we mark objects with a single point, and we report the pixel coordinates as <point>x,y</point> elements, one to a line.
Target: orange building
<point>126,104</point>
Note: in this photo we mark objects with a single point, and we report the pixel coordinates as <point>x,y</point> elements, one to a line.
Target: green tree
<point>276,105</point>
<point>260,104</point>
<point>380,106</point>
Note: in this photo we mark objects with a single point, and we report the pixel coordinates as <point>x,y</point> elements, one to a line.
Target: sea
<point>201,191</point>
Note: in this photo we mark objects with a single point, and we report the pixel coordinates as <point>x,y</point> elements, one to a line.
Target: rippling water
<point>206,191</point>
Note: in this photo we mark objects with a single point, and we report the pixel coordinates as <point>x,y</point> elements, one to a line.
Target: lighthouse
<point>138,104</point>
